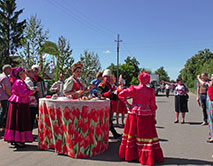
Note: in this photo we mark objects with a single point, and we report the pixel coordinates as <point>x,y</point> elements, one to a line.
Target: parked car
<point>154,83</point>
<point>156,86</point>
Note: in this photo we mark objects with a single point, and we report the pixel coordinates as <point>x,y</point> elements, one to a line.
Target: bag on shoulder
<point>187,96</point>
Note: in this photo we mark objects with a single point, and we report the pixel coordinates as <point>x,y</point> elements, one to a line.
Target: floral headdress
<point>14,73</point>
<point>77,65</point>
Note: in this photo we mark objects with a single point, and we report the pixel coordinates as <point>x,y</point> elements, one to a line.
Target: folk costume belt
<point>141,109</point>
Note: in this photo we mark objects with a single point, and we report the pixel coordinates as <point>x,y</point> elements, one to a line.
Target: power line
<point>69,13</point>
<point>89,19</point>
<point>130,53</point>
<point>81,18</point>
<point>172,42</point>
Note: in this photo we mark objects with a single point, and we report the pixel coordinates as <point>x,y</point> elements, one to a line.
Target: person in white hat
<point>36,67</point>
<point>107,72</point>
<point>105,90</point>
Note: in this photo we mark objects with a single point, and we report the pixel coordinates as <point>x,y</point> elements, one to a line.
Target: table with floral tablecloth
<point>75,128</point>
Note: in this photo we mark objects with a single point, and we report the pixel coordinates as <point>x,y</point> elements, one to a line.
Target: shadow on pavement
<point>160,127</point>
<point>1,133</point>
<point>27,147</point>
<point>164,95</point>
<point>182,161</point>
<point>111,154</point>
<point>193,123</point>
<point>161,101</point>
<point>118,126</point>
<point>163,140</point>
<point>161,95</point>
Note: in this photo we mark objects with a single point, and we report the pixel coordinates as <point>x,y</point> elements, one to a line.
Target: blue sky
<point>156,32</point>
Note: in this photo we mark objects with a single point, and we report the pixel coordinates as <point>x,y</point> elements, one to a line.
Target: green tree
<point>200,62</point>
<point>113,69</point>
<point>135,63</point>
<point>163,75</point>
<point>91,66</point>
<point>134,81</point>
<point>207,67</point>
<point>34,37</point>
<point>129,70</point>
<point>146,70</point>
<point>11,30</point>
<point>128,73</point>
<point>65,58</point>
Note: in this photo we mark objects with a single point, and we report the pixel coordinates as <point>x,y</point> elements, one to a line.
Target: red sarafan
<point>140,139</point>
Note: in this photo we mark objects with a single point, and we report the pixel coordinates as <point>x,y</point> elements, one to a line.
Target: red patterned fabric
<point>76,128</point>
<point>210,92</point>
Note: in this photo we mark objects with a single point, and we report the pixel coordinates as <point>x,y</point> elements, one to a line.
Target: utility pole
<point>118,40</point>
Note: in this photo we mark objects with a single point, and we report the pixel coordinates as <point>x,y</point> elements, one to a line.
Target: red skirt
<point>114,105</point>
<point>140,140</point>
<point>119,107</point>
<point>18,125</point>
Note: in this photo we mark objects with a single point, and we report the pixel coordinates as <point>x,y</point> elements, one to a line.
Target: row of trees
<point>130,71</point>
<point>23,43</point>
<point>200,62</point>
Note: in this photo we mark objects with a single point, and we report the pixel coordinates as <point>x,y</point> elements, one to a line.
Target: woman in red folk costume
<point>120,106</point>
<point>73,86</point>
<point>18,127</point>
<point>140,140</point>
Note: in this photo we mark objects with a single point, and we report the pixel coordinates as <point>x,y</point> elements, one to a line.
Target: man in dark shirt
<point>105,90</point>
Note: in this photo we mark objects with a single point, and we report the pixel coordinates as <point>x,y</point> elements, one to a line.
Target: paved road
<point>182,144</point>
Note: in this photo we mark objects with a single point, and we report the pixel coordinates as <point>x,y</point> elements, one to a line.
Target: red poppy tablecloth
<point>75,128</point>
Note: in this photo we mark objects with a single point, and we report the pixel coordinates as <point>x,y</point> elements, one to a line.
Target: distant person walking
<point>181,100</point>
<point>202,96</point>
<point>167,87</point>
<point>5,93</point>
<point>209,104</point>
